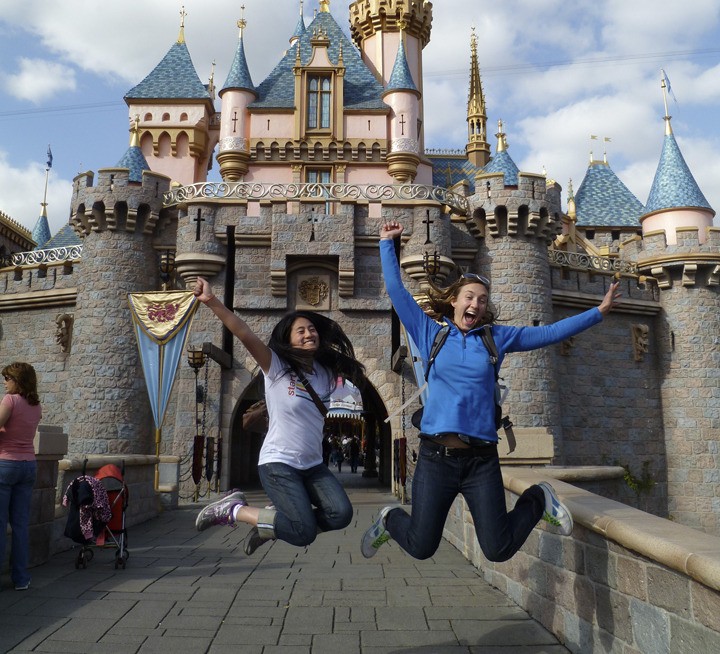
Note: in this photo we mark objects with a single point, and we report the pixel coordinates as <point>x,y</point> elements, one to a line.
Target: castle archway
<point>244,450</point>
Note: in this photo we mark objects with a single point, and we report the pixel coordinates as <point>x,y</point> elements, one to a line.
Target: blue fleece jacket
<point>461,385</point>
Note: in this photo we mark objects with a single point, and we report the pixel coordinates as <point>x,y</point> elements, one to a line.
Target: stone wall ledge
<point>686,550</point>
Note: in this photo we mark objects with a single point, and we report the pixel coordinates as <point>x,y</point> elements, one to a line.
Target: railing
<point>35,257</point>
<point>322,192</point>
<point>591,262</point>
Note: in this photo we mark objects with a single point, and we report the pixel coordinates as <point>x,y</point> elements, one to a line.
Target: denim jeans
<point>437,482</point>
<point>306,501</point>
<point>17,479</point>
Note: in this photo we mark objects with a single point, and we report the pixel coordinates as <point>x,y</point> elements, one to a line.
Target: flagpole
<point>47,175</point>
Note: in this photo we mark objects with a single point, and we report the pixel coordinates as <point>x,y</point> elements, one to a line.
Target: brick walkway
<point>184,591</point>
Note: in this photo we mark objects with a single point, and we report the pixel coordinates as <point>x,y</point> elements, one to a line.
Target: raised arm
<point>257,349</point>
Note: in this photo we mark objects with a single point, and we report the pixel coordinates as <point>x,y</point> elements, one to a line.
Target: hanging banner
<point>161,320</point>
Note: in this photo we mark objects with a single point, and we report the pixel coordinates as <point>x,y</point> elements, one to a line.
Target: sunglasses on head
<point>483,280</point>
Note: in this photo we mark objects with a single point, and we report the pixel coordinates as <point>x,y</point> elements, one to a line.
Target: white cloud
<point>39,79</point>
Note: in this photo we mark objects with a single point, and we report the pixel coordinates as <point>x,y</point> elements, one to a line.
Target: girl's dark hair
<point>437,305</point>
<point>335,351</point>
<point>23,374</point>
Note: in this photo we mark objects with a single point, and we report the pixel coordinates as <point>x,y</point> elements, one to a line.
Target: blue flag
<point>49,158</point>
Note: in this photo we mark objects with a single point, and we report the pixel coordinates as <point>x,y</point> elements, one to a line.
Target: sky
<point>556,73</point>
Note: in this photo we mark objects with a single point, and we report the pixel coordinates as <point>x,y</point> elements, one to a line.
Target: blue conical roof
<point>174,77</point>
<point>135,160</point>
<point>604,201</point>
<point>674,185</point>
<point>361,89</point>
<point>401,78</point>
<point>239,75</point>
<point>502,163</point>
<point>299,28</point>
<point>41,232</point>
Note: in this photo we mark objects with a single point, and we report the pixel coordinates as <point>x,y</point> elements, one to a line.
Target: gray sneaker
<point>220,512</point>
<point>556,513</point>
<point>376,535</point>
<point>252,541</point>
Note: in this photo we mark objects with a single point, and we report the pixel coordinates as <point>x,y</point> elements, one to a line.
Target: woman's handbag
<point>255,417</point>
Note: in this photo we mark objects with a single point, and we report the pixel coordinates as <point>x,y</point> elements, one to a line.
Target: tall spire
<point>478,149</point>
<point>665,86</point>
<point>181,35</point>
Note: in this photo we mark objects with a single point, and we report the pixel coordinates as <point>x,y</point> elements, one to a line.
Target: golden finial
<point>325,6</point>
<point>242,23</point>
<point>135,131</point>
<point>502,141</point>
<point>181,36</point>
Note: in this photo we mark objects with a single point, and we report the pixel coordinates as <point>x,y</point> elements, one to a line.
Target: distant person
<point>354,449</point>
<point>306,354</point>
<point>458,447</point>
<point>20,415</point>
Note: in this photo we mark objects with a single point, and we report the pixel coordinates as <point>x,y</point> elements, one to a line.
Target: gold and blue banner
<point>161,320</point>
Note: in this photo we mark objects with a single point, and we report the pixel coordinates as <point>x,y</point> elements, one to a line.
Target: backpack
<point>500,389</point>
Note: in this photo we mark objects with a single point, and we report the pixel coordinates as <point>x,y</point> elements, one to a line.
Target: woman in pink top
<point>20,415</point>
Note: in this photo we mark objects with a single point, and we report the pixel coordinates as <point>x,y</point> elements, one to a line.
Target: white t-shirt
<point>295,429</point>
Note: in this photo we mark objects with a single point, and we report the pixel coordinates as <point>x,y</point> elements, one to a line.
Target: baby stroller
<point>97,513</point>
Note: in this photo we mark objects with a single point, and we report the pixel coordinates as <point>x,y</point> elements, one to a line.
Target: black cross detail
<point>234,122</point>
<point>198,219</point>
<point>428,222</point>
<point>402,124</point>
<point>312,220</point>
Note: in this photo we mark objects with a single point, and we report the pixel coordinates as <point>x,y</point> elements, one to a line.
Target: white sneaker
<point>376,535</point>
<point>556,513</point>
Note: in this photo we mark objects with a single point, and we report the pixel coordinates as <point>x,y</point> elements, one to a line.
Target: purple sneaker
<point>220,512</point>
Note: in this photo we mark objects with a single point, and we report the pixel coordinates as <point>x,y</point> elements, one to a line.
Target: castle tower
<point>176,113</point>
<point>477,148</point>
<point>682,253</point>
<point>375,27</point>
<point>675,200</point>
<point>117,220</point>
<point>516,216</point>
<point>402,96</point>
<point>237,93</point>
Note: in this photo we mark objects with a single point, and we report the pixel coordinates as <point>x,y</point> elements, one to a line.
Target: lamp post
<point>196,360</point>
<point>167,267</point>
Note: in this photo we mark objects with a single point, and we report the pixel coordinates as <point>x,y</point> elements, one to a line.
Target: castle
<point>312,159</point>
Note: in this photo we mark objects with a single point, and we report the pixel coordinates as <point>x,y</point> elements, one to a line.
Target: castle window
<point>319,176</point>
<point>318,102</point>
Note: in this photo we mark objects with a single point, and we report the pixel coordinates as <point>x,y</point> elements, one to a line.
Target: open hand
<point>610,298</point>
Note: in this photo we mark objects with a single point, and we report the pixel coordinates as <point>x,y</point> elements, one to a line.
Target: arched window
<point>318,102</point>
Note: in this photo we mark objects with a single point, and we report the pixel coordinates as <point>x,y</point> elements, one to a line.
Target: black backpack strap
<point>439,341</point>
<point>489,342</point>
<point>500,420</point>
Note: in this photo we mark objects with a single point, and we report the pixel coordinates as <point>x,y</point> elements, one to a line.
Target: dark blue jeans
<point>437,482</point>
<point>306,501</point>
<point>17,479</point>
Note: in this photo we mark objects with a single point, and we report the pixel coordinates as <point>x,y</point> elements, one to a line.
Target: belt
<point>461,452</point>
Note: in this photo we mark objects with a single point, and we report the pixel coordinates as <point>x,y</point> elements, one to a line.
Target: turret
<point>675,199</point>
<point>237,93</point>
<point>402,96</point>
<point>176,116</point>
